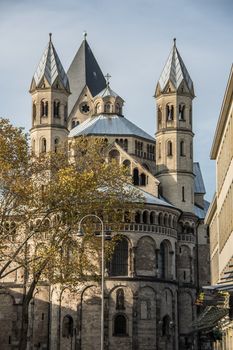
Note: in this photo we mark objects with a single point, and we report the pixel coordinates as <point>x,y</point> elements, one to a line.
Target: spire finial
<point>85,35</point>
<point>50,37</point>
<point>174,41</point>
<point>107,76</point>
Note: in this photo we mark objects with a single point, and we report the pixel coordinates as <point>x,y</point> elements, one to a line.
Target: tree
<point>42,201</point>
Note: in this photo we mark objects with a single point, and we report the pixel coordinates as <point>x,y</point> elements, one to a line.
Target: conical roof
<point>50,68</point>
<point>175,72</point>
<point>84,71</point>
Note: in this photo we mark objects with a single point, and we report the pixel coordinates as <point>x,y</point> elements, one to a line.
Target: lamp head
<point>80,232</point>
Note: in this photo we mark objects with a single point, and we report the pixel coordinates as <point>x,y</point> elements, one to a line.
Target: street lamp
<point>80,234</point>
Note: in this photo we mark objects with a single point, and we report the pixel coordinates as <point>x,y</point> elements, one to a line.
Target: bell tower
<point>174,136</point>
<point>49,90</point>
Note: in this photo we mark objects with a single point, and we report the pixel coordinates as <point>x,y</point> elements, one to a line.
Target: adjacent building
<point>220,213</point>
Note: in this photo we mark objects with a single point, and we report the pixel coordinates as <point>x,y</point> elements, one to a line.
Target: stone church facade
<point>163,256</point>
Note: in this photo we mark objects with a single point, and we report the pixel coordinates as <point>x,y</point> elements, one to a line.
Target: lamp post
<point>80,233</point>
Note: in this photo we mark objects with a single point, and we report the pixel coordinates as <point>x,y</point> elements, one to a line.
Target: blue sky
<point>131,40</point>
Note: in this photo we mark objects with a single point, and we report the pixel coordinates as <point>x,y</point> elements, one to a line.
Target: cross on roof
<point>107,76</point>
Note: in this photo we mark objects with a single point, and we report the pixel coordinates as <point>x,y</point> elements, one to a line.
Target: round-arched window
<point>120,325</point>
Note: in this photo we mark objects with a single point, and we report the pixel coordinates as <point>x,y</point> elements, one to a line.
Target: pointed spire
<point>50,68</point>
<point>85,35</point>
<point>175,72</point>
<point>84,71</point>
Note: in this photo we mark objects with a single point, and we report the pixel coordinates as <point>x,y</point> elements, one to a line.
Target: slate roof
<point>106,124</point>
<point>199,186</point>
<point>201,213</point>
<point>175,71</point>
<point>84,71</point>
<point>50,68</point>
<point>150,199</point>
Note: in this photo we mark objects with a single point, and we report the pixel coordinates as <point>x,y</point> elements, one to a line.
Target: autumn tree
<point>42,202</point>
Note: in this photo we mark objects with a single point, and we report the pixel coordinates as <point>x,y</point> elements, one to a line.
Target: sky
<point>131,40</point>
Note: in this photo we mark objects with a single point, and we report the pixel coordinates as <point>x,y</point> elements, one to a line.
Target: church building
<point>162,259</point>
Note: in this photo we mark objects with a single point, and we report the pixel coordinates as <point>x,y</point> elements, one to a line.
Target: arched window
<point>65,112</point>
<point>160,219</point>
<point>34,111</point>
<point>135,177</point>
<point>108,108</point>
<point>163,260</point>
<point>73,124</point>
<point>43,145</point>
<point>127,163</point>
<point>143,179</point>
<point>159,117</point>
<point>170,112</point>
<point>67,326</point>
<point>165,220</point>
<point>120,325</point>
<point>145,217</point>
<point>182,154</point>
<point>152,217</point>
<point>181,112</point>
<point>166,326</point>
<point>98,108</point>
<point>120,299</point>
<point>114,154</point>
<point>118,108</point>
<point>56,109</point>
<point>137,217</point>
<point>169,148</point>
<point>33,146</point>
<point>56,144</point>
<point>119,262</point>
<point>183,194</point>
<point>191,150</point>
<point>190,115</point>
<point>44,108</point>
<point>159,150</point>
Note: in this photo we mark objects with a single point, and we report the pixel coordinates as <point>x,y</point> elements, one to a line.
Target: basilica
<point>162,259</point>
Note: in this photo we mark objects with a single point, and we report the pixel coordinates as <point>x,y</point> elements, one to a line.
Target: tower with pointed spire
<point>86,81</point>
<point>174,137</point>
<point>49,90</point>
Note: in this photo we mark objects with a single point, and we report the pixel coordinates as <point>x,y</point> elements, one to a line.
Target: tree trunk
<point>25,318</point>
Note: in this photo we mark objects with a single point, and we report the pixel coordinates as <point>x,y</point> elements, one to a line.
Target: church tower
<point>50,91</point>
<point>174,136</point>
<point>86,81</point>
